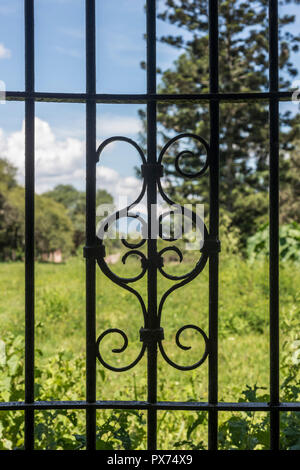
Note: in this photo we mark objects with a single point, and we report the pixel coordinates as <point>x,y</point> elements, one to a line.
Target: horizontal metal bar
<point>145,98</point>
<point>143,405</point>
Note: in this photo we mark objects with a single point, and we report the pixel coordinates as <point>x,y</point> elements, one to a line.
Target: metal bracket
<point>94,252</point>
<point>149,170</point>
<point>211,245</point>
<point>148,335</point>
<point>159,262</point>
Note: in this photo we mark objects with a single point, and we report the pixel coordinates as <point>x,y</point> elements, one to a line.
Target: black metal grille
<point>152,333</point>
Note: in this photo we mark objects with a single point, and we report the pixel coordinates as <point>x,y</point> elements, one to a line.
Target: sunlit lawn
<point>243,324</point>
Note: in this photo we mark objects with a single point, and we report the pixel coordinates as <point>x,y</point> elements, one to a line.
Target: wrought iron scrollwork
<point>155,334</point>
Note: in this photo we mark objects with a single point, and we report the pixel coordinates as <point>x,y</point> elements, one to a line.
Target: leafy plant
<point>118,431</point>
<point>289,242</point>
<point>190,428</point>
<point>60,365</point>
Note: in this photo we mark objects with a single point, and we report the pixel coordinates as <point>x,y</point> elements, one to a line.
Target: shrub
<point>117,429</point>
<point>289,242</point>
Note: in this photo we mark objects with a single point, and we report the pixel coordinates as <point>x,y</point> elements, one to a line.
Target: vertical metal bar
<point>151,203</point>
<point>213,224</point>
<point>90,222</point>
<point>29,223</point>
<point>274,225</point>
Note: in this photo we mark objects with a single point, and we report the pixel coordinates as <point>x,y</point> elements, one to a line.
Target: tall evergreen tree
<point>243,62</point>
<point>290,189</point>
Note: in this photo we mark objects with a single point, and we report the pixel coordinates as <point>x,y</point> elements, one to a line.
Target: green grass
<point>243,328</point>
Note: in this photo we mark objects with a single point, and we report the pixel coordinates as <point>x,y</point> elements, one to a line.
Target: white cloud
<point>4,52</point>
<point>62,161</point>
<point>124,189</point>
<point>54,159</point>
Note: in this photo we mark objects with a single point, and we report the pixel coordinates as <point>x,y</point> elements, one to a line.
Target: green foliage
<point>11,389</point>
<point>74,201</point>
<point>289,242</point>
<point>60,358</point>
<point>53,227</point>
<point>11,364</point>
<point>52,304</point>
<point>191,425</point>
<point>58,429</point>
<point>61,376</point>
<point>59,217</point>
<point>118,431</point>
<point>8,175</point>
<point>229,234</point>
<point>11,222</point>
<point>243,67</point>
<point>64,429</point>
<point>290,190</point>
<point>248,430</point>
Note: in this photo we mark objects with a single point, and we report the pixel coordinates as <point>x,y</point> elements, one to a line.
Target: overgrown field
<point>60,354</point>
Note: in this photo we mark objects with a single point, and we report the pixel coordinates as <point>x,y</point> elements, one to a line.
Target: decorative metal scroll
<point>209,245</point>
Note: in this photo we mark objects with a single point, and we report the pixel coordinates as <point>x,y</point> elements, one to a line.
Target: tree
<point>74,201</point>
<point>65,194</point>
<point>12,226</point>
<point>53,227</point>
<point>11,220</point>
<point>7,175</point>
<point>243,59</point>
<point>290,186</point>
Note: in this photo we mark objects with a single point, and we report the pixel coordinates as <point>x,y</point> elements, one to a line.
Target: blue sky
<point>60,66</point>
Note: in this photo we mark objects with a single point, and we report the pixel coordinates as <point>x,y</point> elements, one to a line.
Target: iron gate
<point>152,332</point>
